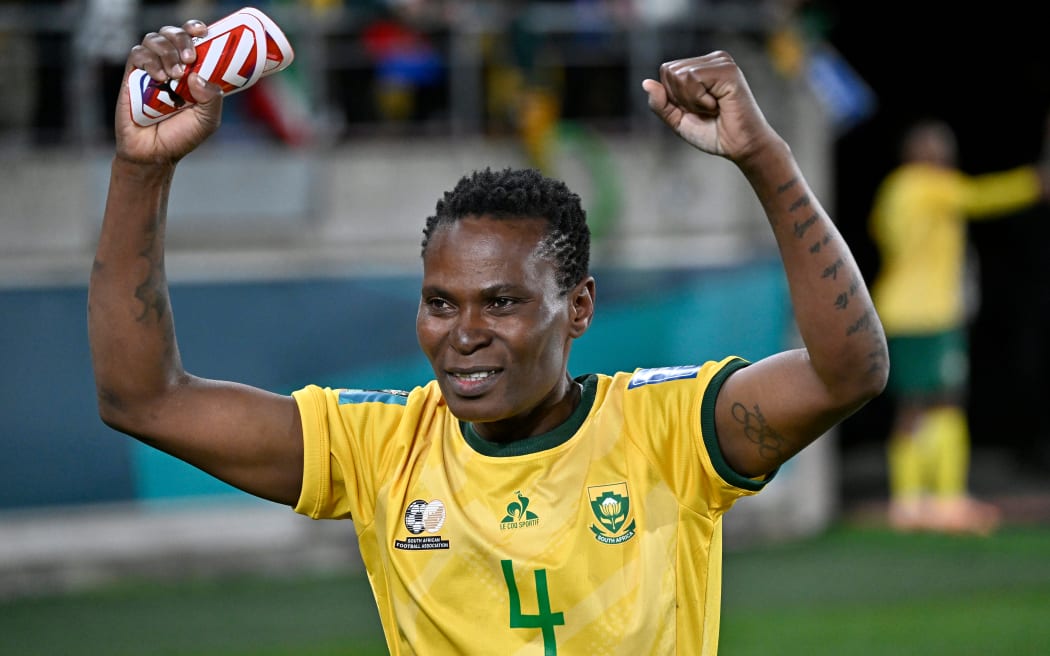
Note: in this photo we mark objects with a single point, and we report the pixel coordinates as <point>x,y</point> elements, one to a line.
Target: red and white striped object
<point>236,52</point>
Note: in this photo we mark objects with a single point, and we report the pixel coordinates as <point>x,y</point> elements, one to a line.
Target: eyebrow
<point>497,289</point>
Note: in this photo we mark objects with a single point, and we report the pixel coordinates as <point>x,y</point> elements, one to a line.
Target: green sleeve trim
<point>707,427</point>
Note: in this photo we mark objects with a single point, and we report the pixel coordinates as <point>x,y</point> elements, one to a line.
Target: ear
<point>581,307</point>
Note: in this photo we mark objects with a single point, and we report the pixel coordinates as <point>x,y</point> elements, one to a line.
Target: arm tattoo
<point>151,292</point>
<point>842,300</point>
<point>832,271</point>
<point>758,431</point>
<point>801,228</point>
<point>820,243</point>
<point>803,201</point>
<point>879,357</point>
<point>864,323</point>
<point>787,185</point>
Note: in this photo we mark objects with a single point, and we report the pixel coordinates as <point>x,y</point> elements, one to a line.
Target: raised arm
<point>771,410</point>
<point>247,437</point>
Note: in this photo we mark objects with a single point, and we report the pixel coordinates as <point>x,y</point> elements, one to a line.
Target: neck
<point>542,419</point>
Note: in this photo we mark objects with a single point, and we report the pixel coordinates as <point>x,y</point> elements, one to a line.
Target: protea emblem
<point>611,506</point>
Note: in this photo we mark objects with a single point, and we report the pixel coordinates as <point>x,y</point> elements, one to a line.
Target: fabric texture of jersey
<point>919,223</point>
<point>603,536</point>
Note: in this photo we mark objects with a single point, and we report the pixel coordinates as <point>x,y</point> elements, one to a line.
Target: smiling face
<point>496,327</point>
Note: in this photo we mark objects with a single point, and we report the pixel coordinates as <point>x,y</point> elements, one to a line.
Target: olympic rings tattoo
<point>758,431</point>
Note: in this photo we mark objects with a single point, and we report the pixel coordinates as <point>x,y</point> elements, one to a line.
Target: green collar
<point>544,441</point>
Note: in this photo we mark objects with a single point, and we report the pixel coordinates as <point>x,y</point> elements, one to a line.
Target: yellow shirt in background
<point>919,225</point>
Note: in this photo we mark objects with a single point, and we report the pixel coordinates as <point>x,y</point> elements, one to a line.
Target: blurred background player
<point>919,224</point>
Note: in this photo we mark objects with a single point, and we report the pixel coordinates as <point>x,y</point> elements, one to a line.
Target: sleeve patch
<point>662,374</point>
<point>390,397</point>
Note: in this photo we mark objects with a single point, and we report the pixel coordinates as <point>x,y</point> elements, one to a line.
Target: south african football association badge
<point>421,515</point>
<point>611,506</point>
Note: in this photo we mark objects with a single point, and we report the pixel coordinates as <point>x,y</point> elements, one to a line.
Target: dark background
<point>986,70</point>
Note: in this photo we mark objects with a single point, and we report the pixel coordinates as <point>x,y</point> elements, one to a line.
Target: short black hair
<point>523,194</point>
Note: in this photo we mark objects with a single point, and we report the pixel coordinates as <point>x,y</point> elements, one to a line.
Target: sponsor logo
<point>518,514</point>
<point>420,516</point>
<point>611,506</point>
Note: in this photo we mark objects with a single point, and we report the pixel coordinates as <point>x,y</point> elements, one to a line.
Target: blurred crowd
<point>376,66</point>
<point>547,73</point>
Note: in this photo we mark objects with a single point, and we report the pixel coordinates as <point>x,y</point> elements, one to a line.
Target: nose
<point>469,333</point>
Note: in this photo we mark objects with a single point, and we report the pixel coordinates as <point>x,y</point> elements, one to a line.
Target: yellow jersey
<point>603,536</point>
<point>918,222</point>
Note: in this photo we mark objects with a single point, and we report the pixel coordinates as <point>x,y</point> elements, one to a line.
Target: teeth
<point>480,375</point>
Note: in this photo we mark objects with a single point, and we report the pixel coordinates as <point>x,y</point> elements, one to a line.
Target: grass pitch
<point>856,591</point>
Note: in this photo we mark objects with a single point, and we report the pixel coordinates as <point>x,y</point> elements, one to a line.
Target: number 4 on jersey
<point>544,619</point>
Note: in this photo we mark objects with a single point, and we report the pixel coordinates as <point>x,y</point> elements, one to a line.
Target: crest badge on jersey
<point>611,506</point>
<point>423,517</point>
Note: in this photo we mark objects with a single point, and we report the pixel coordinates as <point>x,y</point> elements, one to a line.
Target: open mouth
<point>472,383</point>
<point>474,375</point>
